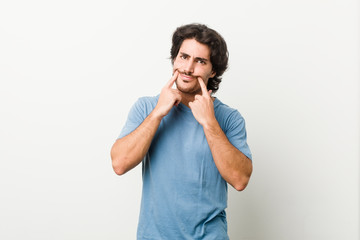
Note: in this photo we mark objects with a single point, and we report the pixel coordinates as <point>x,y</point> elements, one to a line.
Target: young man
<point>190,144</point>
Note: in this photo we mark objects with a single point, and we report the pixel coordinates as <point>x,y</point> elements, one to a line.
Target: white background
<point>70,71</point>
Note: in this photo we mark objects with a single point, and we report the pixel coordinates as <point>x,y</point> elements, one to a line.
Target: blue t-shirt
<point>184,195</point>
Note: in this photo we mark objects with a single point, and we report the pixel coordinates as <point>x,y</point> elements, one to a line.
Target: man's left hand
<point>203,107</point>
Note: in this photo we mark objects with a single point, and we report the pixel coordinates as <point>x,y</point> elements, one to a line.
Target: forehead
<point>195,49</point>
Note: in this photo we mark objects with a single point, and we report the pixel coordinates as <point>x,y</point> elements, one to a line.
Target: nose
<point>189,66</point>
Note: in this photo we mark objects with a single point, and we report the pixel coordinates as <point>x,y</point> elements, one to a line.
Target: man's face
<point>192,61</point>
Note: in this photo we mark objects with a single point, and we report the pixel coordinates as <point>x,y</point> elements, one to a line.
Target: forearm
<point>128,152</point>
<point>232,164</point>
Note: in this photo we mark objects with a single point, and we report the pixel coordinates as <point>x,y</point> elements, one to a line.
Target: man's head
<point>207,56</point>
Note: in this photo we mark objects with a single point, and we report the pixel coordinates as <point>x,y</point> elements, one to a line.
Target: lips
<point>185,77</point>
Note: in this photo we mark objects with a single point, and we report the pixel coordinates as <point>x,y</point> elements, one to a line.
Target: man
<point>190,144</point>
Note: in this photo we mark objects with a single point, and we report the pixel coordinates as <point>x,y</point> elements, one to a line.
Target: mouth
<point>186,77</point>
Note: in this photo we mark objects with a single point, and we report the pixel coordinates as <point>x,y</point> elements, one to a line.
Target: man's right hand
<point>168,98</point>
<point>127,152</point>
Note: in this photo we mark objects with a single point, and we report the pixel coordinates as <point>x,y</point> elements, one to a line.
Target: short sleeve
<point>236,133</point>
<point>135,117</point>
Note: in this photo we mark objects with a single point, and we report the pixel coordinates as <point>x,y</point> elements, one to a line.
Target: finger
<point>177,97</point>
<point>173,79</point>
<point>203,87</point>
<point>190,105</point>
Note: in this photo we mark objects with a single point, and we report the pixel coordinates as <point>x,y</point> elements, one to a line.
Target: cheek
<point>176,65</point>
<point>206,74</point>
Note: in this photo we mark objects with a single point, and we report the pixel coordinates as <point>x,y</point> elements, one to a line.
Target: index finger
<point>203,87</point>
<point>173,79</point>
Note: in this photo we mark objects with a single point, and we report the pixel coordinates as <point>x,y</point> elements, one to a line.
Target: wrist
<point>156,115</point>
<point>211,125</point>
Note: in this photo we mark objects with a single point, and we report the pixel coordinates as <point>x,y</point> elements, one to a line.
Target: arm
<point>232,164</point>
<point>128,152</point>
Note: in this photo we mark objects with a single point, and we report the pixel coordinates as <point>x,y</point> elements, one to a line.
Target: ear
<point>212,74</point>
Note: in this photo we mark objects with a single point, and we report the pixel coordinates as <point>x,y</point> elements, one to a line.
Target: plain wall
<point>71,70</point>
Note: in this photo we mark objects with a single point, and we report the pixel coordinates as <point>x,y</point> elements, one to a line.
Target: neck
<point>186,98</point>
<point>189,97</point>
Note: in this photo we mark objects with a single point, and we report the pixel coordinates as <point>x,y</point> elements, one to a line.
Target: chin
<point>187,88</point>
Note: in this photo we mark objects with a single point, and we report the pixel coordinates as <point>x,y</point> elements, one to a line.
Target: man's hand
<point>203,107</point>
<point>232,164</point>
<point>168,98</point>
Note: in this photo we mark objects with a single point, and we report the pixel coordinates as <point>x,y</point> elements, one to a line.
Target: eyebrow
<point>197,58</point>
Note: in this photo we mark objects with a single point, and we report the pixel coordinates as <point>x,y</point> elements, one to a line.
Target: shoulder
<point>142,107</point>
<point>146,103</point>
<point>226,115</point>
<point>148,100</point>
<point>224,110</point>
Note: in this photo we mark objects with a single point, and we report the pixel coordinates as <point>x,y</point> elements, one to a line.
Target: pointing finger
<point>203,87</point>
<point>173,79</point>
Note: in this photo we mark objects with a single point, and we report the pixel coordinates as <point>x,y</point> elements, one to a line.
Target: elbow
<point>117,163</point>
<point>122,161</point>
<point>118,168</point>
<point>241,185</point>
<point>242,181</point>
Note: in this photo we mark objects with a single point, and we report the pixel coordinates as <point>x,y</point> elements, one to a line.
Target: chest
<point>180,149</point>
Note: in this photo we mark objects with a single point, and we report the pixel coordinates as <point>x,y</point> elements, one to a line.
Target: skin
<point>191,70</point>
<point>192,61</point>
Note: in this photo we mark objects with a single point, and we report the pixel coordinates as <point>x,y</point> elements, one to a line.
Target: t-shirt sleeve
<point>135,117</point>
<point>236,133</point>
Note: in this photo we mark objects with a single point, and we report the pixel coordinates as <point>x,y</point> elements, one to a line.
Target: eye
<point>201,62</point>
<point>183,57</point>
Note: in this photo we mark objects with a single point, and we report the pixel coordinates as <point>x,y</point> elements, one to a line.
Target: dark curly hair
<point>219,55</point>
